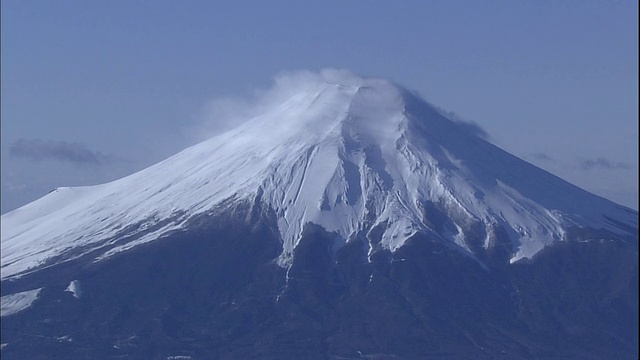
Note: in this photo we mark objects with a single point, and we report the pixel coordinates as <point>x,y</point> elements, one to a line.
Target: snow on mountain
<point>74,289</point>
<point>14,303</point>
<point>348,153</point>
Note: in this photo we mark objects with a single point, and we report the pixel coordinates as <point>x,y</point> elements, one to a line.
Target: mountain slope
<point>214,291</point>
<point>360,157</point>
<point>348,219</point>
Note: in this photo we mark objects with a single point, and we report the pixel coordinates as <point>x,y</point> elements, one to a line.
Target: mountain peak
<point>364,158</point>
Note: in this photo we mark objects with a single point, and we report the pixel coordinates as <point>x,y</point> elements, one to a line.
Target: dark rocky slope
<point>215,291</point>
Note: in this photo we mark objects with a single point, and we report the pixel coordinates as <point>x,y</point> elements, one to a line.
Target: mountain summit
<point>346,218</point>
<point>363,158</point>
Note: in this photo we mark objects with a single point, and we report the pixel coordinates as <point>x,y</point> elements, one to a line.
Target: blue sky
<point>93,90</point>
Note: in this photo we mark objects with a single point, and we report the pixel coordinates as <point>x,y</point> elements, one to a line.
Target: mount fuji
<point>348,218</point>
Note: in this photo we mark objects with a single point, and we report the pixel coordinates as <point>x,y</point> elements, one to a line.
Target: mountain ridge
<point>347,153</point>
<point>347,219</point>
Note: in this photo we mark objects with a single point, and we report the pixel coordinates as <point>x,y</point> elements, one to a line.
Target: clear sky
<point>93,90</point>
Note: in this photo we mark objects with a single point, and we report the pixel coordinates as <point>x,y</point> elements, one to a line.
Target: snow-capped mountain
<point>346,219</point>
<point>363,158</point>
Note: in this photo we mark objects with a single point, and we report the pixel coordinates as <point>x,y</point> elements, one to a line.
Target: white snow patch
<point>74,289</point>
<point>14,303</point>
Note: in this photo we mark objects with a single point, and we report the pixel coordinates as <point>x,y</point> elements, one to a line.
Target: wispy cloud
<point>463,124</point>
<point>541,157</point>
<point>473,128</point>
<point>38,149</point>
<point>601,163</point>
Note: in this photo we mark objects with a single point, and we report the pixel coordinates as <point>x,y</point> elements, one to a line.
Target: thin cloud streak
<point>541,157</point>
<point>465,125</point>
<point>39,149</point>
<point>602,163</point>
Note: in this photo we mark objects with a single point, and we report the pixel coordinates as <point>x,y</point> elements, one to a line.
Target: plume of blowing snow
<point>223,114</point>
